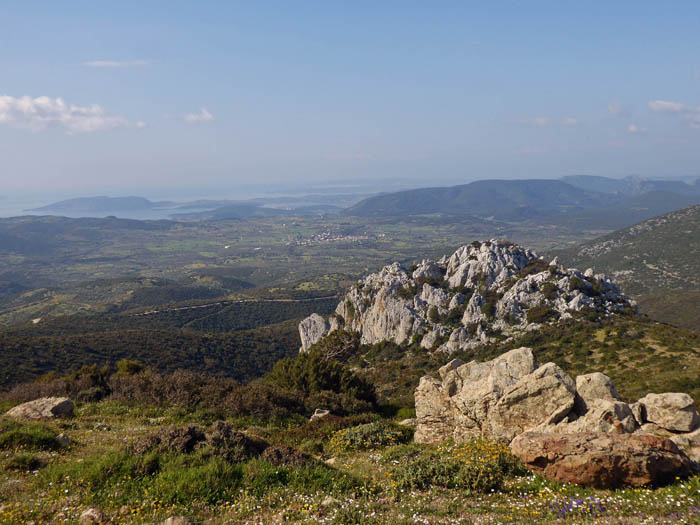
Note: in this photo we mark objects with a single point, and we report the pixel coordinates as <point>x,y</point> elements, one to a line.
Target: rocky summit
<point>482,292</point>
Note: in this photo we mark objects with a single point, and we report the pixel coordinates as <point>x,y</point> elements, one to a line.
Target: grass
<point>385,483</point>
<point>27,436</point>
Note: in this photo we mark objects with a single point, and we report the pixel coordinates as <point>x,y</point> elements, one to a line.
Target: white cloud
<point>202,116</point>
<point>569,121</point>
<point>39,113</point>
<point>539,122</point>
<point>690,114</point>
<point>116,63</point>
<point>633,128</point>
<point>664,106</point>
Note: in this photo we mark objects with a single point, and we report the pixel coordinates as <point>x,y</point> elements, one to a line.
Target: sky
<point>155,97</point>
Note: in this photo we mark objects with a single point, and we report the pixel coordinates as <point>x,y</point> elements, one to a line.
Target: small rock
<point>320,413</point>
<point>63,440</point>
<point>91,516</point>
<point>410,422</point>
<point>177,520</point>
<point>328,501</point>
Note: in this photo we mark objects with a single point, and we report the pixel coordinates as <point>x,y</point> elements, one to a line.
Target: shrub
<point>479,466</point>
<point>540,314</point>
<point>339,345</point>
<point>576,284</point>
<point>23,463</point>
<point>549,290</point>
<point>262,400</point>
<point>370,436</point>
<point>433,314</point>
<point>350,310</point>
<point>30,436</point>
<point>309,373</point>
<point>129,367</point>
<point>226,442</point>
<point>533,266</point>
<point>488,309</point>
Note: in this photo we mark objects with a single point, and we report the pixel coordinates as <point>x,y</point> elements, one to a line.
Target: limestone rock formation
<point>672,411</point>
<point>543,397</point>
<point>507,396</point>
<point>43,408</point>
<point>601,459</point>
<point>463,300</point>
<point>594,386</point>
<point>312,329</point>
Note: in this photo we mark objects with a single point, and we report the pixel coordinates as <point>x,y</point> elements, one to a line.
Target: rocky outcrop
<point>312,329</point>
<point>43,408</point>
<point>507,396</point>
<point>590,387</point>
<point>544,397</point>
<point>601,459</point>
<point>464,300</point>
<point>671,411</point>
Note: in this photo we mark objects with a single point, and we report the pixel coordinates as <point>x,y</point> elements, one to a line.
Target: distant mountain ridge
<point>597,202</point>
<point>631,185</point>
<point>502,199</point>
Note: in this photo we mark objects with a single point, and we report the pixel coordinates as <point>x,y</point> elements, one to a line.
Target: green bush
<point>310,373</point>
<point>540,314</point>
<point>370,436</point>
<point>479,466</point>
<point>23,463</point>
<point>30,436</point>
<point>434,315</point>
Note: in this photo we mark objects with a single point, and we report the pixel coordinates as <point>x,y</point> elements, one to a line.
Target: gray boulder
<point>544,397</point>
<point>311,330</point>
<point>590,387</point>
<point>458,405</point>
<point>672,411</point>
<point>43,408</point>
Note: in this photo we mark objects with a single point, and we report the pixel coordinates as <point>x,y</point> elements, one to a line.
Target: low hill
<point>99,205</point>
<point>502,199</point>
<point>655,260</point>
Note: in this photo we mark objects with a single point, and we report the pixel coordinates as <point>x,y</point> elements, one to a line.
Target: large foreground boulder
<point>497,399</point>
<point>544,397</point>
<point>600,459</point>
<point>43,408</point>
<point>458,406</point>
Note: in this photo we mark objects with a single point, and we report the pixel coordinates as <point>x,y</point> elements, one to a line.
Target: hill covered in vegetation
<point>655,261</point>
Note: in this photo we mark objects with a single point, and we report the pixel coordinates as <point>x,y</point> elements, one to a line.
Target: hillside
<point>99,205</point>
<point>655,261</point>
<point>502,199</point>
<point>631,185</point>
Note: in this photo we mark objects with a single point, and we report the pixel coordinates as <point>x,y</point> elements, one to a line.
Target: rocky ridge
<point>482,292</point>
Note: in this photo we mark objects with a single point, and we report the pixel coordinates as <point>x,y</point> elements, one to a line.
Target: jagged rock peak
<point>484,291</point>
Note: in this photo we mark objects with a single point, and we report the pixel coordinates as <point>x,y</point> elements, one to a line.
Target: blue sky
<point>204,94</point>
